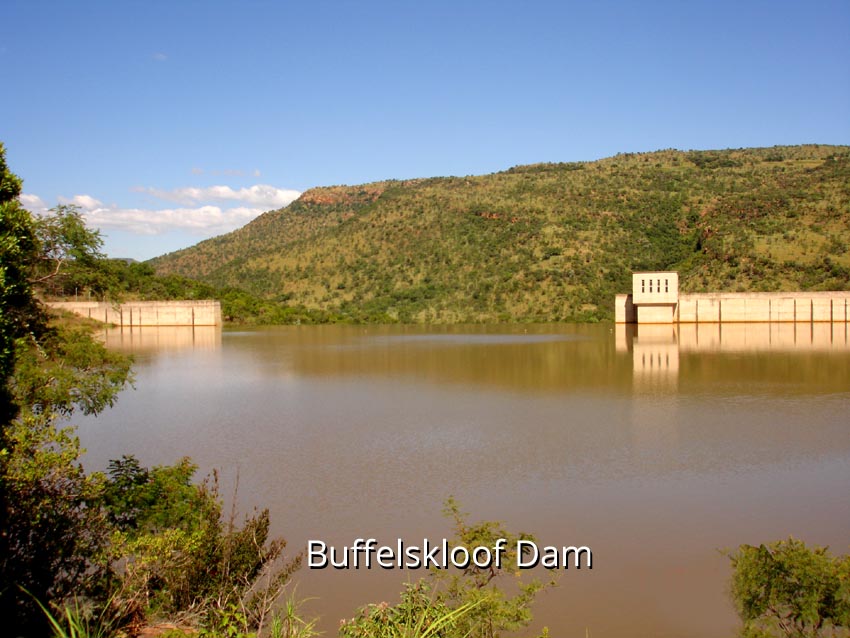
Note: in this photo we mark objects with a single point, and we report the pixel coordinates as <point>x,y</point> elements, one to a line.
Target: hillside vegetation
<point>545,242</point>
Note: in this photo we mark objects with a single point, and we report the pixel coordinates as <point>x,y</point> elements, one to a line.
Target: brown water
<point>656,449</point>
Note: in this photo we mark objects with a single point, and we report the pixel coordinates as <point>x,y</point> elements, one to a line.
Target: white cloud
<point>197,171</point>
<point>32,203</point>
<point>159,57</point>
<point>260,195</point>
<point>86,202</point>
<point>203,212</point>
<point>204,221</point>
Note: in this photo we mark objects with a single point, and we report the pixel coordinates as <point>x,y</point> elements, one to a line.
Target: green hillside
<point>545,242</point>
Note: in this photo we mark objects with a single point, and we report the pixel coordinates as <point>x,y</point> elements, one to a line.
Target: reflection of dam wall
<point>147,313</point>
<point>652,346</point>
<point>656,349</point>
<point>761,337</point>
<point>162,339</point>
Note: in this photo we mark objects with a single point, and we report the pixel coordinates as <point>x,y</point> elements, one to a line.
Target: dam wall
<point>760,307</point>
<point>743,307</point>
<point>134,314</point>
<point>655,299</point>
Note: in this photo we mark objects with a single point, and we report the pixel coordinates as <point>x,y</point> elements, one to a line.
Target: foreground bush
<point>788,589</point>
<point>173,555</point>
<point>473,603</point>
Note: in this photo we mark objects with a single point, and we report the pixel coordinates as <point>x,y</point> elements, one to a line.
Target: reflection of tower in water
<point>655,355</point>
<point>655,350</point>
<point>655,380</point>
<point>655,358</point>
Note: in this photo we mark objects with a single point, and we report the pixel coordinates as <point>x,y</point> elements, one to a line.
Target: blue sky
<point>169,122</point>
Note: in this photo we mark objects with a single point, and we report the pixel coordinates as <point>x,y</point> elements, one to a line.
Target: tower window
<point>666,286</point>
<point>643,285</point>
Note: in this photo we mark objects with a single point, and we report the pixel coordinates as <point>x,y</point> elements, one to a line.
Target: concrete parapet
<point>707,309</point>
<point>758,307</point>
<point>783,309</point>
<point>147,313</point>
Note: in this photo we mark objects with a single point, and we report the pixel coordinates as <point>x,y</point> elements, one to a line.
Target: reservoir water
<point>657,448</point>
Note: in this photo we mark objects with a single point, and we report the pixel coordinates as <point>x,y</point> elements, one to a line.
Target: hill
<point>545,242</point>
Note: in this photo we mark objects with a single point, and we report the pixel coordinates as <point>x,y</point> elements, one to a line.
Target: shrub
<point>788,589</point>
<point>175,555</point>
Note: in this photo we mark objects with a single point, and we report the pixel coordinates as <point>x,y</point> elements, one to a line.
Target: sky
<point>170,122</point>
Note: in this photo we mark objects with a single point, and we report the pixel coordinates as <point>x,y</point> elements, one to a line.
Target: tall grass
<point>79,620</point>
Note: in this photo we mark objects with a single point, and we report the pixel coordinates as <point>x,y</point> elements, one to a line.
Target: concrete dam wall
<point>749,307</point>
<point>655,299</point>
<point>146,313</point>
<point>763,307</point>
